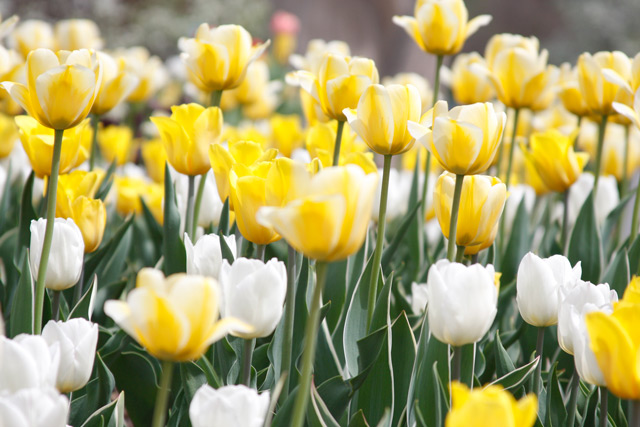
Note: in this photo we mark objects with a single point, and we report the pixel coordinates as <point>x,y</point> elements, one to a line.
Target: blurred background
<point>565,27</point>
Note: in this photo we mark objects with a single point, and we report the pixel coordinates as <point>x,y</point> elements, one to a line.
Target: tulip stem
<point>500,153</point>
<point>537,376</point>
<point>162,397</point>
<point>459,253</point>
<point>215,98</point>
<point>198,203</point>
<point>456,363</point>
<point>260,251</point>
<point>55,305</point>
<point>48,234</point>
<point>95,122</point>
<point>604,406</point>
<point>377,256</point>
<point>634,413</point>
<point>625,170</point>
<point>290,307</point>
<point>474,258</point>
<point>575,140</point>
<point>308,355</point>
<point>453,224</point>
<point>565,221</point>
<point>436,80</point>
<point>336,148</point>
<point>247,356</point>
<point>190,208</point>
<point>602,127</point>
<point>514,134</point>
<point>636,216</point>
<point>573,398</point>
<point>423,208</point>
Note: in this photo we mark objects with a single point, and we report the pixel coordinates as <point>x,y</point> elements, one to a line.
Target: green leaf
<point>175,257</point>
<point>155,229</point>
<point>104,254</point>
<point>358,420</point>
<point>27,214</point>
<point>403,354</point>
<point>634,256</point>
<point>335,394</point>
<point>318,414</point>
<point>5,202</point>
<point>518,377</point>
<point>84,307</point>
<point>585,244</point>
<point>21,317</point>
<point>106,183</point>
<point>617,274</point>
<point>556,411</point>
<point>519,244</point>
<point>113,411</point>
<point>98,395</point>
<point>226,251</point>
<point>504,364</point>
<point>399,236</point>
<point>609,227</point>
<point>223,225</point>
<point>415,239</point>
<point>192,377</point>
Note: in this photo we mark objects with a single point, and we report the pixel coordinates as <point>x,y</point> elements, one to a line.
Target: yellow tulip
<point>420,83</point>
<point>154,156</point>
<point>253,85</point>
<point>328,220</point>
<point>312,109</point>
<point>316,49</point>
<point>616,344</point>
<point>148,69</point>
<point>115,143</point>
<point>217,58</point>
<point>117,84</point>
<point>8,135</point>
<point>30,35</point>
<point>570,93</point>
<point>468,84</point>
<point>233,134</point>
<point>500,42</point>
<point>532,178</point>
<point>73,34</point>
<point>632,291</point>
<point>597,91</point>
<point>187,135</point>
<point>481,203</point>
<point>441,26</point>
<point>491,405</point>
<point>61,88</point>
<point>246,153</point>
<point>339,82</point>
<point>174,318</point>
<point>73,185</point>
<point>464,140</point>
<point>37,141</point>
<point>551,155</point>
<point>382,115</point>
<point>286,133</point>
<point>613,152</point>
<point>130,190</point>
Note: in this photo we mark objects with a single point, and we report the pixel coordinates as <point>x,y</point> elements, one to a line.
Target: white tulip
<point>66,256</point>
<point>77,339</point>
<point>607,197</point>
<point>538,284</point>
<point>34,407</point>
<point>584,358</point>
<point>232,405</point>
<point>418,297</point>
<point>572,303</point>
<point>462,301</point>
<point>254,292</point>
<point>205,257</point>
<point>27,361</point>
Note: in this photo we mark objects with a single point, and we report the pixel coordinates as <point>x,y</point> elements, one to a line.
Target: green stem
<point>198,203</point>
<point>604,406</point>
<point>308,355</point>
<point>48,234</point>
<point>634,413</point>
<point>95,122</point>
<point>336,148</point>
<point>260,251</point>
<point>474,258</point>
<point>290,307</point>
<point>55,305</point>
<point>162,397</point>
<point>436,81</point>
<point>573,398</point>
<point>575,140</point>
<point>453,224</point>
<point>189,211</point>
<point>514,133</point>
<point>424,207</point>
<point>216,96</point>
<point>456,363</point>
<point>537,376</point>
<point>247,355</point>
<point>377,256</point>
<point>636,216</point>
<point>500,154</point>
<point>565,221</point>
<point>625,170</point>
<point>459,253</point>
<point>602,127</point>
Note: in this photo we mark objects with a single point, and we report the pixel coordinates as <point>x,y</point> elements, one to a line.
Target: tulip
<point>462,301</point>
<point>253,86</point>
<point>217,58</point>
<point>481,203</point>
<point>607,196</point>
<point>314,55</point>
<point>67,85</point>
<point>77,340</point>
<point>585,359</point>
<point>570,93</point>
<point>597,91</point>
<point>441,26</point>
<point>130,190</point>
<point>538,283</point>
<point>551,153</point>
<point>30,35</point>
<point>154,156</point>
<point>187,135</point>
<point>117,84</point>
<point>27,362</point>
<point>38,141</point>
<point>468,85</point>
<point>66,257</point>
<point>8,135</point>
<point>115,143</point>
<point>465,139</point>
<point>254,292</point>
<point>381,117</point>
<point>34,407</point>
<point>73,34</point>
<point>419,298</point>
<point>210,203</point>
<point>205,257</point>
<point>286,133</point>
<point>148,69</point>
<point>475,408</point>
<point>232,405</point>
<point>416,80</point>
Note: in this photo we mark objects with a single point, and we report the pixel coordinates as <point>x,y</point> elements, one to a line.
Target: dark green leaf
<point>519,244</point>
<point>105,252</point>
<point>504,364</point>
<point>106,183</point>
<point>226,251</point>
<point>223,225</point>
<point>84,307</point>
<point>617,274</point>
<point>556,411</point>
<point>27,214</point>
<point>585,244</point>
<point>175,257</point>
<point>318,415</point>
<point>21,318</point>
<point>399,236</point>
<point>518,377</point>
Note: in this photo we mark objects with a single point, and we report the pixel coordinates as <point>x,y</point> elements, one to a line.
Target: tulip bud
<point>468,83</point>
<point>205,257</point>
<point>418,297</point>
<point>72,34</point>
<point>538,284</point>
<point>148,69</point>
<point>66,256</point>
<point>27,362</point>
<point>232,405</point>
<point>254,292</point>
<point>462,301</point>
<point>34,407</point>
<point>77,340</point>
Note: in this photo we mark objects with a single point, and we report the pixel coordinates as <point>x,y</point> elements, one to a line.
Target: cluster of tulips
<point>209,241</point>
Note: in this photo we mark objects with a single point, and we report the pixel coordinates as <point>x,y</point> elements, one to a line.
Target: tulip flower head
<point>31,34</point>
<point>117,83</point>
<point>73,34</point>
<point>115,143</point>
<point>232,405</point>
<point>174,318</point>
<point>205,257</point>
<point>598,92</point>
<point>34,407</point>
<point>28,362</point>
<point>468,84</point>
